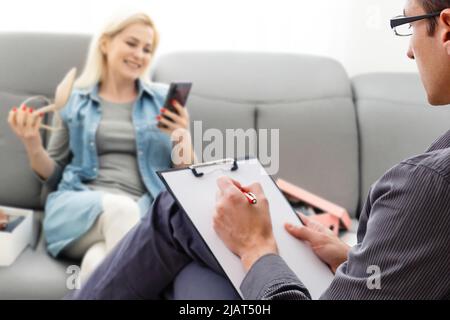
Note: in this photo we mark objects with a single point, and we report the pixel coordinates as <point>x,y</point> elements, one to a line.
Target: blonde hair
<point>95,65</point>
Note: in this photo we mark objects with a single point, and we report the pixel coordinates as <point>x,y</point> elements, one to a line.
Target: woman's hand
<point>177,127</point>
<point>3,220</point>
<point>245,229</point>
<point>329,248</point>
<point>176,121</point>
<point>25,123</point>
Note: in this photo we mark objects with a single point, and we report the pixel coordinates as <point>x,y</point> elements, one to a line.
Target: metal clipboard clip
<point>230,161</point>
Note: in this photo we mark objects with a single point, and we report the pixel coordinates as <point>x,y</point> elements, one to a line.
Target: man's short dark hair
<point>432,6</point>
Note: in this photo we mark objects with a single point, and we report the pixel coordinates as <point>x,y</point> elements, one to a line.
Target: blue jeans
<point>162,257</point>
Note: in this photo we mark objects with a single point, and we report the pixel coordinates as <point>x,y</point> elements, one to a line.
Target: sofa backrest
<point>35,63</point>
<point>395,122</point>
<point>30,64</point>
<point>307,98</point>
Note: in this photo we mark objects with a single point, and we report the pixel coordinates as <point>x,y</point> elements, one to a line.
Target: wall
<point>356,32</point>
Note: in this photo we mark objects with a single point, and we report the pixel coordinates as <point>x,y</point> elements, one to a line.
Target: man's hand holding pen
<point>242,220</point>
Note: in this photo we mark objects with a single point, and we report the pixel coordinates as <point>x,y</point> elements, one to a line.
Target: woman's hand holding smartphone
<point>169,121</point>
<point>174,115</point>
<point>174,120</point>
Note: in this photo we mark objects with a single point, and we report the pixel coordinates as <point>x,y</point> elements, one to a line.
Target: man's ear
<point>444,21</point>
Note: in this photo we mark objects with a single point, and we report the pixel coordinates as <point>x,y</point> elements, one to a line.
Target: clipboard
<point>194,189</point>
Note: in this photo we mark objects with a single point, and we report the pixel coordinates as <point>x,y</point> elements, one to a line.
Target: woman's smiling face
<point>128,53</point>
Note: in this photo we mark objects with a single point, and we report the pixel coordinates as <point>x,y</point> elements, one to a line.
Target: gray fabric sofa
<point>337,135</point>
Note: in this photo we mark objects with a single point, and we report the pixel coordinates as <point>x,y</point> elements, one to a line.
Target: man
<point>403,232</point>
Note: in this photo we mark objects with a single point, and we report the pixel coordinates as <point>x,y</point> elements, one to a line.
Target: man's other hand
<point>329,248</point>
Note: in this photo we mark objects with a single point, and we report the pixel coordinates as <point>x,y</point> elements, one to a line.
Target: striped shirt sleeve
<point>403,250</point>
<point>404,253</point>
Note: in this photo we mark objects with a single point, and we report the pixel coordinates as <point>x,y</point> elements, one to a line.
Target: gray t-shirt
<point>116,148</point>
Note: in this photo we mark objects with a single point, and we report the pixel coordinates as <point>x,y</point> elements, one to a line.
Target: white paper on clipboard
<point>197,196</point>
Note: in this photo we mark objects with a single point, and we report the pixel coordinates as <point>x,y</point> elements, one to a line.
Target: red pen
<point>250,197</point>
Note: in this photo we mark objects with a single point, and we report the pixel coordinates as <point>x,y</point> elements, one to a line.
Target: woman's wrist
<point>40,162</point>
<point>34,150</point>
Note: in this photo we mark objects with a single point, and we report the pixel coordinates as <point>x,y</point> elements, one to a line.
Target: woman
<point>114,138</point>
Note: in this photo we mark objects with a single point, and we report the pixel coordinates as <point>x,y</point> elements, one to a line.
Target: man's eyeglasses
<point>402,25</point>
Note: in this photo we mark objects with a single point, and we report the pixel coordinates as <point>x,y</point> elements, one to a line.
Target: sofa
<point>337,135</point>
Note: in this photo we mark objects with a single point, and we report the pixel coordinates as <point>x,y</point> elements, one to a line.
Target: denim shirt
<point>72,210</point>
<point>82,116</point>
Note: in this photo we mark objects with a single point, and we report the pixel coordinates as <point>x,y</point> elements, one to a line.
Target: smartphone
<point>178,91</point>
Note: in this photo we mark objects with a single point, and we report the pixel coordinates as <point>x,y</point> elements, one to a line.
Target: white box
<point>13,243</point>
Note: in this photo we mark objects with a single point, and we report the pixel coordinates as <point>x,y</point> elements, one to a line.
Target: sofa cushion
<point>308,98</point>
<point>221,115</point>
<point>34,63</point>
<point>318,144</point>
<point>318,147</point>
<point>395,122</point>
<point>19,186</point>
<point>34,275</point>
<point>225,88</point>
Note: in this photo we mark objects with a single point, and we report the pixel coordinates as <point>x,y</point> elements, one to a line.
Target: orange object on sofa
<point>333,217</point>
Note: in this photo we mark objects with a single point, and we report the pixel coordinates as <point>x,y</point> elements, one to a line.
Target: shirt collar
<point>92,92</point>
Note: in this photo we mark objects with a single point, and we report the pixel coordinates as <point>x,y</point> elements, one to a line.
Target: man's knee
<point>161,210</point>
<point>166,198</point>
<point>185,285</point>
<point>164,204</point>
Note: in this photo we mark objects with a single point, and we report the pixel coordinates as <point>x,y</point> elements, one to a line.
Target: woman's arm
<point>40,161</point>
<point>58,146</point>
<point>25,123</point>
<point>58,150</point>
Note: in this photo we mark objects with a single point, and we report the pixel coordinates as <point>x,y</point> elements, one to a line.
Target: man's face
<point>431,57</point>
